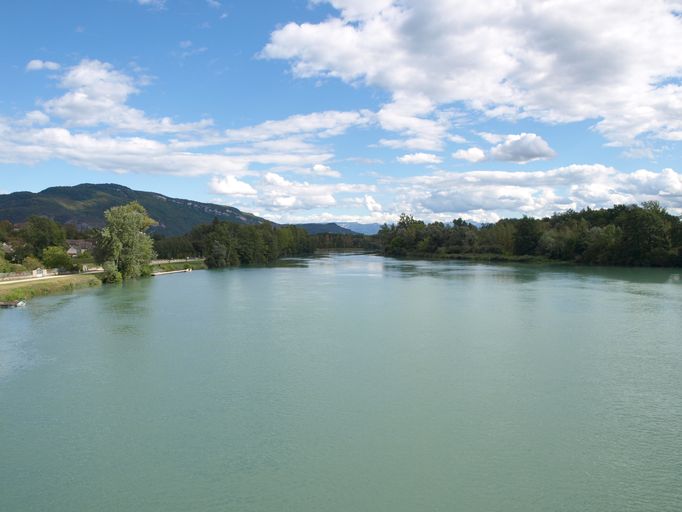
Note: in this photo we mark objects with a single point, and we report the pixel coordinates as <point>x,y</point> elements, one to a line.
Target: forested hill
<point>330,227</point>
<point>84,205</point>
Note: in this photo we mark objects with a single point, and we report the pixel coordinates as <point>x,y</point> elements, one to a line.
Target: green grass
<point>18,291</point>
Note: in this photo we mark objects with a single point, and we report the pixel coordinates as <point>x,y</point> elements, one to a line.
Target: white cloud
<point>482,195</point>
<point>35,117</point>
<point>276,192</point>
<point>372,204</point>
<point>419,158</point>
<point>522,148</point>
<point>118,154</point>
<point>457,139</point>
<point>492,138</point>
<point>416,118</point>
<point>97,95</point>
<point>157,4</point>
<point>472,154</point>
<point>617,63</point>
<point>38,65</point>
<point>324,170</point>
<point>229,185</point>
<point>321,124</point>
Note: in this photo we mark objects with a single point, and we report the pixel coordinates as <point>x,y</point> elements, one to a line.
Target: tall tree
<point>123,240</point>
<point>41,232</point>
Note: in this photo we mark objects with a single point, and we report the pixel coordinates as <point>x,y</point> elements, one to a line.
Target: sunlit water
<point>348,383</point>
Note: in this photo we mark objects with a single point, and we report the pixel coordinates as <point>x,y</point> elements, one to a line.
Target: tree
<point>56,257</point>
<point>123,240</point>
<point>41,232</point>
<point>527,236</point>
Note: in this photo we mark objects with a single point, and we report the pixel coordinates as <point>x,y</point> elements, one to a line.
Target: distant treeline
<point>224,244</point>
<point>645,235</point>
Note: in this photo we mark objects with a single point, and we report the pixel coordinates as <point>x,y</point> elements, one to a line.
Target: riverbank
<point>27,289</point>
<point>61,284</point>
<point>172,266</point>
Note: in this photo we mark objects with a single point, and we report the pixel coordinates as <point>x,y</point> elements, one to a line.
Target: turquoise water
<point>348,383</point>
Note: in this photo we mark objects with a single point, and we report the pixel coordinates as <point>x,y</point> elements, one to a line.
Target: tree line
<point>634,235</point>
<point>224,243</point>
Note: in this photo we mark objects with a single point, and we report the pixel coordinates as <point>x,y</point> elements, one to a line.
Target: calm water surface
<point>348,383</point>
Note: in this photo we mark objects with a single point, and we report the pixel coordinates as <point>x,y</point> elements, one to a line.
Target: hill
<point>364,229</point>
<point>330,227</point>
<point>84,205</point>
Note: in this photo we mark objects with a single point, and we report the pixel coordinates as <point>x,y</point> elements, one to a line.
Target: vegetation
<point>19,291</point>
<point>645,235</point>
<point>346,241</point>
<point>56,257</point>
<point>224,244</point>
<point>123,240</point>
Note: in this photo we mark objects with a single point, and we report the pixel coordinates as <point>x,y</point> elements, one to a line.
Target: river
<point>348,383</point>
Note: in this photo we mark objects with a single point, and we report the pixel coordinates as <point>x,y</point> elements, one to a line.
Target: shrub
<point>111,273</point>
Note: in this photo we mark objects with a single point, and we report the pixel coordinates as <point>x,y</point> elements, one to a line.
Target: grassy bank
<point>15,291</point>
<point>180,265</point>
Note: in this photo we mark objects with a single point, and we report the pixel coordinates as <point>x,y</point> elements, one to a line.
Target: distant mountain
<point>84,205</point>
<point>331,227</point>
<point>365,229</point>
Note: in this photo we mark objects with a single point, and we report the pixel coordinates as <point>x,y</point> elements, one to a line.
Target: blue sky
<point>348,110</point>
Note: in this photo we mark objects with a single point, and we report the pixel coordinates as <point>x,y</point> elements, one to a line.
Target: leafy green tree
<point>646,236</point>
<point>31,263</point>
<point>41,232</point>
<point>123,240</point>
<point>111,273</point>
<point>6,229</point>
<point>56,257</point>
<point>5,266</point>
<point>527,236</point>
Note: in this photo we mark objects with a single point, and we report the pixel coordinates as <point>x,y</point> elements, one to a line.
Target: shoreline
<point>41,287</point>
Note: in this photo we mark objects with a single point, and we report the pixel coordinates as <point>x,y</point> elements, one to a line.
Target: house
<point>78,247</point>
<point>6,248</point>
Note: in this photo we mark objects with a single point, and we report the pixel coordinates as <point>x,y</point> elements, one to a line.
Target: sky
<point>348,110</point>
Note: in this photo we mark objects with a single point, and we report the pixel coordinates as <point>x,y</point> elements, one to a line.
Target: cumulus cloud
<point>38,65</point>
<point>522,148</point>
<point>324,170</point>
<point>419,158</point>
<point>97,94</point>
<point>472,155</point>
<point>229,185</point>
<point>275,191</point>
<point>537,193</point>
<point>118,154</point>
<point>372,204</point>
<point>35,117</point>
<point>617,63</point>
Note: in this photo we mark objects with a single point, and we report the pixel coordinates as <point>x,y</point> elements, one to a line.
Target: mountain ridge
<point>84,205</point>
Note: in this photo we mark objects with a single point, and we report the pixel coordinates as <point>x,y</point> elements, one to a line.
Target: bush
<point>111,273</point>
<point>31,263</point>
<point>56,257</point>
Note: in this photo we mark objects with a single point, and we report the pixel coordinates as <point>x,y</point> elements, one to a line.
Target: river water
<point>348,383</point>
